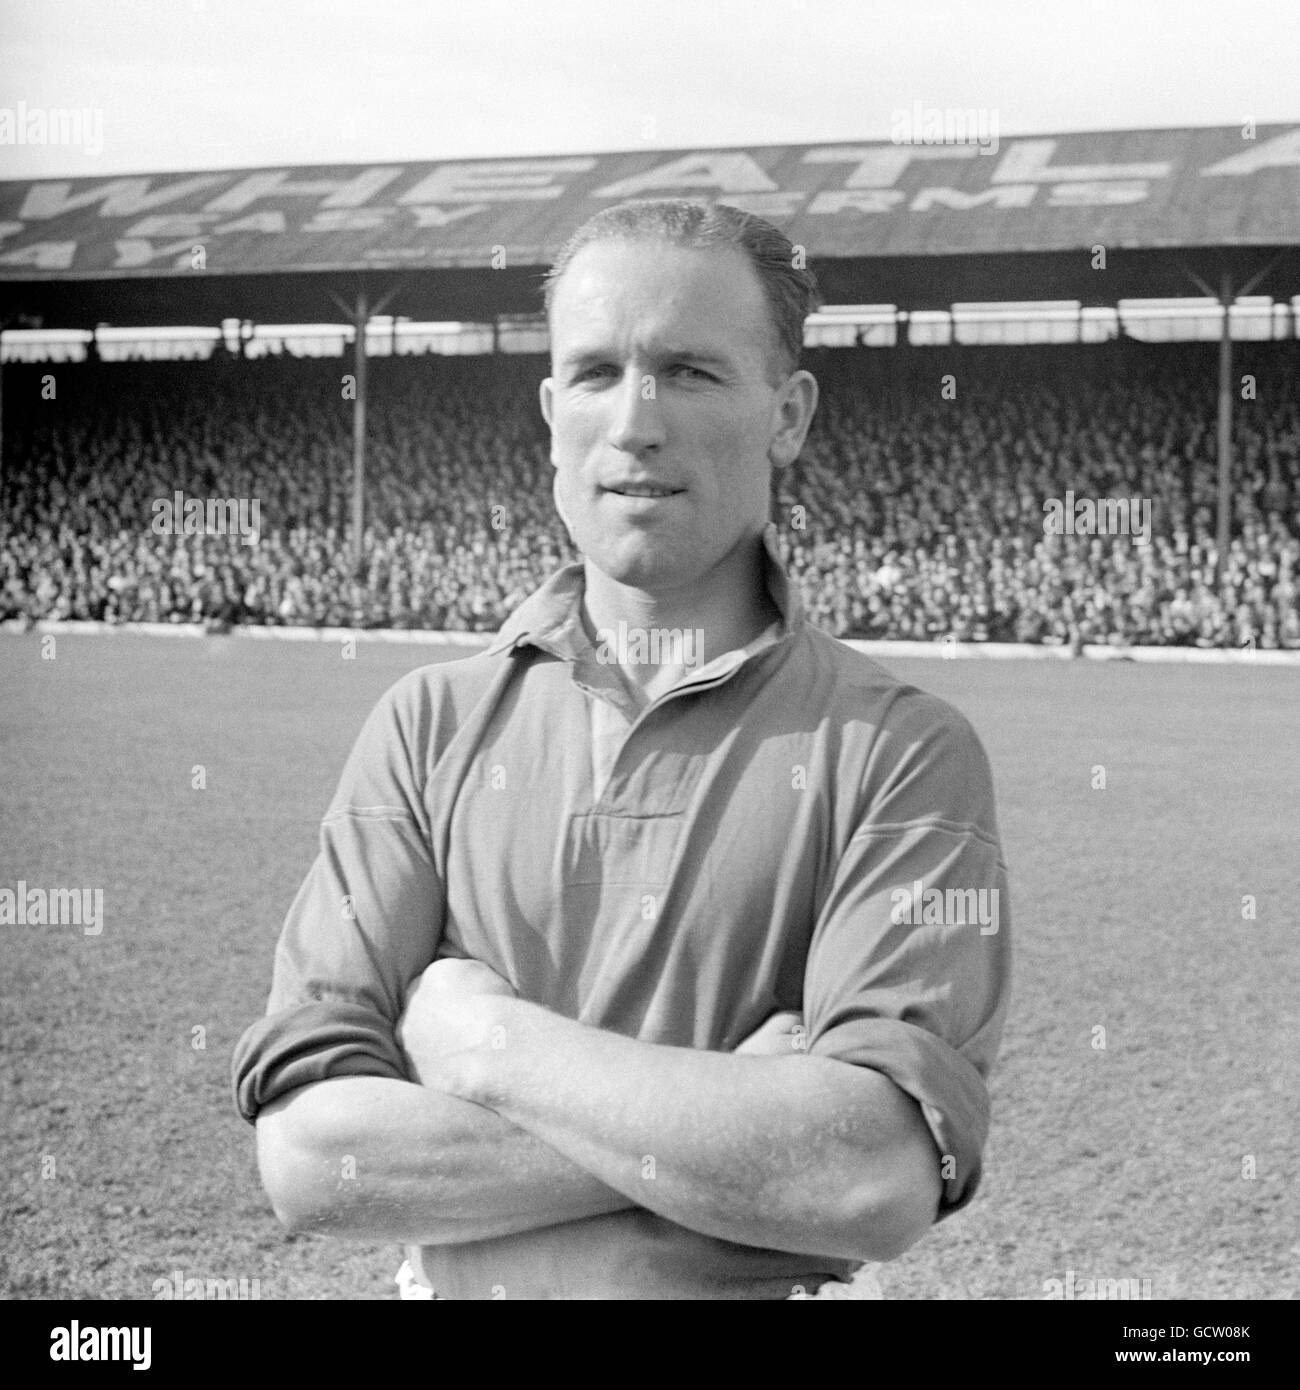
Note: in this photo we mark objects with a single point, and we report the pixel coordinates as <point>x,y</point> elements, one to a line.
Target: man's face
<point>664,419</point>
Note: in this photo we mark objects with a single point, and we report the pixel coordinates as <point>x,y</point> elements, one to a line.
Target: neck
<point>724,610</point>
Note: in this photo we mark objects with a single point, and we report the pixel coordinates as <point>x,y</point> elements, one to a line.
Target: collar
<point>551,617</point>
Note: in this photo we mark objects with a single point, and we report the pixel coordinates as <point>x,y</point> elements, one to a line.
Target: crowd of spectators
<point>916,511</point>
<point>925,516</point>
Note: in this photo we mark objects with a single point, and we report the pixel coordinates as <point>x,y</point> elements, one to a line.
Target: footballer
<point>597,987</point>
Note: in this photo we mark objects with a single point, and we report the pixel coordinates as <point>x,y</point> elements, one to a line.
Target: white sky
<point>192,84</point>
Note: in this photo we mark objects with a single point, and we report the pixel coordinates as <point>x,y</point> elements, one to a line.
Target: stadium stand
<point>910,515</point>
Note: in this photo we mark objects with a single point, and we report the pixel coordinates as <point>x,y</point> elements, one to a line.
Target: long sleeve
<point>909,968</point>
<point>366,921</point>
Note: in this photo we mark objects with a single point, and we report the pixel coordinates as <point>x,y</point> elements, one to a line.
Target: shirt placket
<point>636,721</point>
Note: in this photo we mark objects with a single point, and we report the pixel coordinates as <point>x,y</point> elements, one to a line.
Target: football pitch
<point>1145,1123</point>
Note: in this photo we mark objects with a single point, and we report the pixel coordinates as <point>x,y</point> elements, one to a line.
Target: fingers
<point>458,976</point>
<point>780,1035</point>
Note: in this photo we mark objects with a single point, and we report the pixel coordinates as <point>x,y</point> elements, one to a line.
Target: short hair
<point>790,291</point>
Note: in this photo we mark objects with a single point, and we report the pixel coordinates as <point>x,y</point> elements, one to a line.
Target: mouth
<point>650,490</point>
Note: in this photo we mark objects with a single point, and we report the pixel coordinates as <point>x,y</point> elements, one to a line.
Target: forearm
<point>378,1159</point>
<point>791,1153</point>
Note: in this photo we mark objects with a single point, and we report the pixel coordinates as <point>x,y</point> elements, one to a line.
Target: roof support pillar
<point>1224,532</point>
<point>360,318</point>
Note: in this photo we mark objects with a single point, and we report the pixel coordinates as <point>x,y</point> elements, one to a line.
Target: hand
<point>780,1036</point>
<point>450,1008</point>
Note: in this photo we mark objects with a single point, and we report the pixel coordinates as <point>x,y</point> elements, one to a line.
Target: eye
<point>595,372</point>
<point>691,372</point>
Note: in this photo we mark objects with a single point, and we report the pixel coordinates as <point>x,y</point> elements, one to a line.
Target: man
<point>698,1025</point>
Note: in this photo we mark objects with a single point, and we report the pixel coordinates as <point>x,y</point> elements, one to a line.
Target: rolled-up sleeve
<point>365,922</point>
<point>902,978</point>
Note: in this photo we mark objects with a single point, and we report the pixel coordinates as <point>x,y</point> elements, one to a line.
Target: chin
<point>641,566</point>
<point>646,574</point>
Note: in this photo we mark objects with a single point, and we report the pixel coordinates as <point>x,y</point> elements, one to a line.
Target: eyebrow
<point>698,356</point>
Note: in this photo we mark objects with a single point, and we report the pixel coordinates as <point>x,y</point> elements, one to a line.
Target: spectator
<point>921,520</point>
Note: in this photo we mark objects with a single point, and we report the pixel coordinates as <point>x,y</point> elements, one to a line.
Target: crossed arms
<point>521,1119</point>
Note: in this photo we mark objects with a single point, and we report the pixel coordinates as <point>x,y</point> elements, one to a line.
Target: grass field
<point>124,1160</point>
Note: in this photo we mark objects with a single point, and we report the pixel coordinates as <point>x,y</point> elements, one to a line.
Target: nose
<point>636,421</point>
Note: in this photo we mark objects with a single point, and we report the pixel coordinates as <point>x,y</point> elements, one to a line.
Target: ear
<point>546,396</point>
<point>559,504</point>
<point>792,415</point>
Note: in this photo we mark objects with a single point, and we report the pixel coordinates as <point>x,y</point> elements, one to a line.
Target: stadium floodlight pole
<point>359,316</point>
<point>1225,427</point>
<point>359,435</point>
<point>1223,525</point>
<point>356,315</point>
<point>1226,295</point>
